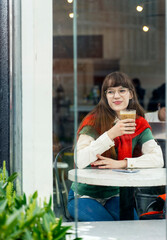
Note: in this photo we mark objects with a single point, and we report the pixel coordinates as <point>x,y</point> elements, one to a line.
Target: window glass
<point>112,35</point>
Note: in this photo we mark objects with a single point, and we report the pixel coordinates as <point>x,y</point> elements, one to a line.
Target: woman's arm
<point>87,148</point>
<point>152,157</point>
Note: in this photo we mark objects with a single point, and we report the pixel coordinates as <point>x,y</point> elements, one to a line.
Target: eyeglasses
<point>121,92</point>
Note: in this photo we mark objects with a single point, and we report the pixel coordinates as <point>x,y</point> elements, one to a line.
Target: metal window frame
<point>4,84</point>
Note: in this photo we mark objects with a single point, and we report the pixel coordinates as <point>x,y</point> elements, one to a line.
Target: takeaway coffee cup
<point>129,113</point>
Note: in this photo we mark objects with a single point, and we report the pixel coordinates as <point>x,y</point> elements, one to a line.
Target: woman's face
<point>118,98</point>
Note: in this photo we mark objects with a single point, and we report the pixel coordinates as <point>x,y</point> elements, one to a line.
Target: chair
<point>145,196</point>
<point>60,166</point>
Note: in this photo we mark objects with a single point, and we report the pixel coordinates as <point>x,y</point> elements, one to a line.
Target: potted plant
<point>27,219</point>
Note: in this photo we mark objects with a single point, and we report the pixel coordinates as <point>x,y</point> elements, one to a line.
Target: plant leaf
<point>3,216</point>
<point>16,235</point>
<point>50,202</point>
<point>30,221</point>
<point>46,223</point>
<point>24,199</point>
<point>35,195</point>
<point>61,233</point>
<point>27,235</point>
<point>3,205</point>
<point>18,202</point>
<point>2,191</point>
<point>5,184</point>
<point>12,177</point>
<point>12,222</point>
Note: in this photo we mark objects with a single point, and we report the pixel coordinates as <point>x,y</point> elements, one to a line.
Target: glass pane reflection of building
<point>113,35</point>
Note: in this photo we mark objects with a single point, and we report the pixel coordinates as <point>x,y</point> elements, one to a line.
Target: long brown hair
<point>104,116</point>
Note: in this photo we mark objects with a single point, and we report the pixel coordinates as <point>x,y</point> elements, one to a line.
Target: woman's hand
<point>104,162</point>
<point>126,126</point>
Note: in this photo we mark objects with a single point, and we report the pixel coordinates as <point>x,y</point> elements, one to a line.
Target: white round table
<point>108,177</point>
<point>126,182</point>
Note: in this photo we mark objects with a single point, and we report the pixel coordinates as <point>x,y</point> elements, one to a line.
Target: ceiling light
<point>71,15</point>
<point>145,28</point>
<point>69,1</point>
<point>139,8</point>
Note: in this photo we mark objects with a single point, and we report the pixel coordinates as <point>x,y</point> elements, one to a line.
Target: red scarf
<point>122,143</point>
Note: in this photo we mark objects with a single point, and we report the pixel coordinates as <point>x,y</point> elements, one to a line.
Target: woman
<point>103,139</point>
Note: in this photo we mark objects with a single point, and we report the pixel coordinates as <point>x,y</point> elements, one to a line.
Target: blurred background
<point>112,35</point>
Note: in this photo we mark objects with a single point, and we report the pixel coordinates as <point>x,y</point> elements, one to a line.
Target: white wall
<point>37,96</point>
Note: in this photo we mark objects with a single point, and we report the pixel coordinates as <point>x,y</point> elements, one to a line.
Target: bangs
<point>116,80</point>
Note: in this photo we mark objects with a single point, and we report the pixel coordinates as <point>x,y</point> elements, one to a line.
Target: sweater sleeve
<point>87,148</point>
<point>152,156</point>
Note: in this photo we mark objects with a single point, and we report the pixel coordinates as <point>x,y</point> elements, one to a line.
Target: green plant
<point>23,219</point>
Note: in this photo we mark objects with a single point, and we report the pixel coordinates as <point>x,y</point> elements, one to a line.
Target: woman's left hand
<point>104,162</point>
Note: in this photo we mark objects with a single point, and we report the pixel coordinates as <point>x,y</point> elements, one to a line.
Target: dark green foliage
<point>22,219</point>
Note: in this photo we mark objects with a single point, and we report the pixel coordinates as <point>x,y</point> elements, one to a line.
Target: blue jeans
<point>91,210</point>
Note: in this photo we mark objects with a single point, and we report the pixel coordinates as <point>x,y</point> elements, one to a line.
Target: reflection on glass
<point>110,38</point>
<point>106,140</point>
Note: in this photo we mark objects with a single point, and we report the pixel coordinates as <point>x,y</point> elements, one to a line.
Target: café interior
<point>60,53</point>
<point>91,39</point>
<point>111,36</point>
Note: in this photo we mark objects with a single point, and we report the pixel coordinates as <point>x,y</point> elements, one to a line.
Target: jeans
<point>91,210</point>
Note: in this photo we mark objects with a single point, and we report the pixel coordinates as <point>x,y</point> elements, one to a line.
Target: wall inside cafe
<point>63,74</point>
<point>140,54</point>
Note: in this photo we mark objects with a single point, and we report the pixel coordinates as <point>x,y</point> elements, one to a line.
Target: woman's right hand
<point>126,126</point>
